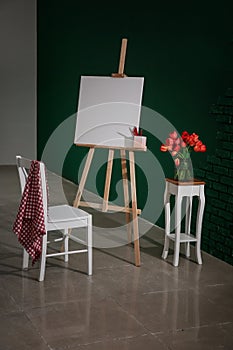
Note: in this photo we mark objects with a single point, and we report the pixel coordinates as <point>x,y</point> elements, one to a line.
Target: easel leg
<point>126,191</point>
<point>134,208</point>
<point>84,177</point>
<point>108,179</point>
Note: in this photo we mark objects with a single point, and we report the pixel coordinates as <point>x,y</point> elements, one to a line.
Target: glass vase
<point>184,171</point>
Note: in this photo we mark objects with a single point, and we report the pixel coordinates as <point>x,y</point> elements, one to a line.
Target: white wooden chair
<point>62,218</point>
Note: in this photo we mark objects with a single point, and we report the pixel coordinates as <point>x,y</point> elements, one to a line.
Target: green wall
<point>184,50</point>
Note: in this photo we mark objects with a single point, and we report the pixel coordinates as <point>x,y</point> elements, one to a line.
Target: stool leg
<point>167,223</point>
<point>177,230</point>
<point>200,212</point>
<point>188,223</point>
<point>167,231</point>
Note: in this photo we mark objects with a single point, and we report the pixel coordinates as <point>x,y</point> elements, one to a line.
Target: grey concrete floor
<point>120,307</point>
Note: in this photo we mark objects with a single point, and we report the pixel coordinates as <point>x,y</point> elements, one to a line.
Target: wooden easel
<point>105,205</point>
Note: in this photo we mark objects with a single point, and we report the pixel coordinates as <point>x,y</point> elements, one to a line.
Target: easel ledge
<point>89,145</point>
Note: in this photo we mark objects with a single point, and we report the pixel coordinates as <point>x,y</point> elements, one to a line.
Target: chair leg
<point>89,245</point>
<point>165,248</point>
<point>43,258</point>
<point>66,244</point>
<point>25,259</point>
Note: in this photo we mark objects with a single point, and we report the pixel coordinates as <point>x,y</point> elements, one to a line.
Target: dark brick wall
<point>217,230</point>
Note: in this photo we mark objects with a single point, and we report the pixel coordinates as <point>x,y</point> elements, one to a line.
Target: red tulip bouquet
<point>180,149</point>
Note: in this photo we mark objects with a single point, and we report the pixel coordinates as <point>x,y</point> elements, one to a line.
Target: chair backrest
<point>23,166</point>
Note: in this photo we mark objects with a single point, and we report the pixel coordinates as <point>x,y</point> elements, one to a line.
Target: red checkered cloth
<point>29,225</point>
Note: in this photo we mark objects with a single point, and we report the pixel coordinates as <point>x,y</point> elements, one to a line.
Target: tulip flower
<point>169,141</point>
<point>177,148</point>
<point>163,148</point>
<point>173,135</point>
<point>203,148</point>
<point>183,144</point>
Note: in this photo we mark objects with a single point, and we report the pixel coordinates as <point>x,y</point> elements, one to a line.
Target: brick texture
<point>217,229</point>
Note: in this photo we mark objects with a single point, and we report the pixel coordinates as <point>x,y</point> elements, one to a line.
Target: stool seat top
<point>193,182</point>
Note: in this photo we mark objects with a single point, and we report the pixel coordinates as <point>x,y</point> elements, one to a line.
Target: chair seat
<point>62,216</point>
<point>65,213</point>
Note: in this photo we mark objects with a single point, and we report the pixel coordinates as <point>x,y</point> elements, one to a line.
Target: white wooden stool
<point>179,190</point>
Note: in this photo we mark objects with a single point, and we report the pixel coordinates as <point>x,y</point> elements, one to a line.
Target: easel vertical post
<point>132,173</point>
<point>122,56</point>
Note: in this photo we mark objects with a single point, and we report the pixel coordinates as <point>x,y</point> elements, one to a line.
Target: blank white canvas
<point>107,109</point>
